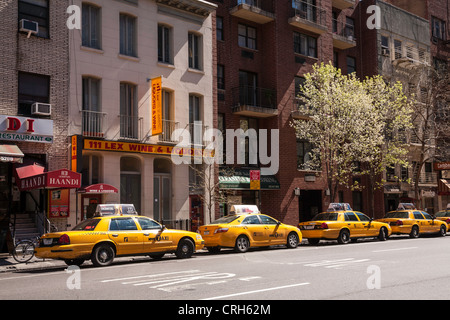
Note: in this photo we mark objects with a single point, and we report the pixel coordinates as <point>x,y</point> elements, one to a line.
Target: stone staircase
<point>25,226</point>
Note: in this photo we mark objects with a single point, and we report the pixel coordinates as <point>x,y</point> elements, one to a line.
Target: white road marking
<point>339,263</point>
<point>257,291</point>
<point>396,249</point>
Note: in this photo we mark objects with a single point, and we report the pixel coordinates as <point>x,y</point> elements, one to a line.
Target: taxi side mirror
<point>278,223</point>
<point>163,227</point>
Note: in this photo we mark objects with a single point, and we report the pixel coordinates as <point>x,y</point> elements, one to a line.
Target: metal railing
<point>309,12</point>
<point>412,53</point>
<point>266,5</point>
<point>344,30</point>
<point>92,123</point>
<point>130,127</point>
<point>169,127</point>
<point>255,97</point>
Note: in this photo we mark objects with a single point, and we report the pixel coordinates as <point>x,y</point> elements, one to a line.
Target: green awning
<point>240,180</point>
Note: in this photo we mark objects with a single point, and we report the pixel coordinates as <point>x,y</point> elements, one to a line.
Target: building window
<point>91,170</point>
<point>128,35</point>
<point>32,88</point>
<point>305,45</point>
<point>250,143</point>
<point>164,44</point>
<point>304,149</point>
<point>195,51</point>
<point>385,46</point>
<point>219,28</point>
<point>195,117</point>
<point>247,36</point>
<point>398,49</point>
<point>351,64</point>
<point>38,11</point>
<point>92,117</point>
<point>91,26</point>
<point>220,77</point>
<point>438,28</point>
<point>128,111</point>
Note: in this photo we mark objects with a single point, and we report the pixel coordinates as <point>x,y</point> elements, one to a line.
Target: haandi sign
<point>59,179</point>
<point>14,128</point>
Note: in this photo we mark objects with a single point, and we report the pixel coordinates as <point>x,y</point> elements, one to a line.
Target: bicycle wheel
<point>23,251</point>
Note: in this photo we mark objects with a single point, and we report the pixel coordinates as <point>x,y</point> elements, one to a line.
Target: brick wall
<point>41,56</point>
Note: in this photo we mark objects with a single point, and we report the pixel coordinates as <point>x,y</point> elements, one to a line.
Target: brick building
<point>33,68</point>
<point>263,50</point>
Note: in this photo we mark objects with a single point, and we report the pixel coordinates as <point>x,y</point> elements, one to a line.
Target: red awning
<point>99,188</point>
<point>58,179</point>
<point>444,187</point>
<point>28,171</point>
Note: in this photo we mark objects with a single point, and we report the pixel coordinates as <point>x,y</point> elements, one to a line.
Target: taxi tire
<point>344,236</point>
<point>292,240</point>
<point>242,244</point>
<point>442,231</point>
<point>414,232</point>
<point>185,249</point>
<point>74,262</point>
<point>383,234</point>
<point>103,255</point>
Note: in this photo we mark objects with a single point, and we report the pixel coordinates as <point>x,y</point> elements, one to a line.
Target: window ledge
<point>94,50</point>
<point>130,58</point>
<point>165,65</point>
<point>198,71</point>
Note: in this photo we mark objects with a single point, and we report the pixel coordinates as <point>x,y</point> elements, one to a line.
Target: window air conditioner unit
<point>28,26</point>
<point>41,109</point>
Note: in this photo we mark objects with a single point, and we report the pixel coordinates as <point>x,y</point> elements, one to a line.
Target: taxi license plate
<point>47,241</point>
<point>309,227</point>
<point>206,233</point>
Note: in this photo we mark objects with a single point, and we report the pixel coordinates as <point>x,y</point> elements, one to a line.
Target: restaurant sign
<point>14,128</point>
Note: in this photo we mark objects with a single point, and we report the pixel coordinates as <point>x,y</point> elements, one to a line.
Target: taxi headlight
<point>199,237</point>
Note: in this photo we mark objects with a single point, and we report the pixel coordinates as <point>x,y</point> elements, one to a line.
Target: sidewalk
<point>8,264</point>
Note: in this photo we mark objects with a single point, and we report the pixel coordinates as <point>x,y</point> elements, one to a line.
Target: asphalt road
<point>400,268</point>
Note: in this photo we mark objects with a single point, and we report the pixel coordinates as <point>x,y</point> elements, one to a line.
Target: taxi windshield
<point>225,219</point>
<point>88,225</point>
<point>327,216</point>
<point>443,214</point>
<point>397,214</point>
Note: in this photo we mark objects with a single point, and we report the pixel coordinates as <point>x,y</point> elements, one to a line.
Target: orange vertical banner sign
<point>156,106</point>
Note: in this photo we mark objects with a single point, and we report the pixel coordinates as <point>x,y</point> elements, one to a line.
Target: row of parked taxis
<point>117,230</point>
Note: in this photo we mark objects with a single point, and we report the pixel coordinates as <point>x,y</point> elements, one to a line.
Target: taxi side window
<point>427,216</point>
<point>251,220</point>
<point>148,224</point>
<point>122,224</point>
<point>418,215</point>
<point>267,220</point>
<point>362,217</point>
<point>350,216</point>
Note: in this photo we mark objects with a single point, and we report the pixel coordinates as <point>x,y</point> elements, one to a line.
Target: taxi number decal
<point>276,235</point>
<point>158,238</point>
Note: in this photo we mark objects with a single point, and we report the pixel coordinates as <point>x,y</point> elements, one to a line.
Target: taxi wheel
<point>442,231</point>
<point>185,249</point>
<point>414,232</point>
<point>292,240</point>
<point>344,236</point>
<point>383,234</point>
<point>242,244</point>
<point>103,255</point>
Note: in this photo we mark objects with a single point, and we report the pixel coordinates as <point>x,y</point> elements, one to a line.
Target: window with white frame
<point>91,27</point>
<point>164,44</point>
<point>128,35</point>
<point>195,51</point>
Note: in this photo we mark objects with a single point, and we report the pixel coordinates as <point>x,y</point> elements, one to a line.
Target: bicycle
<point>24,250</point>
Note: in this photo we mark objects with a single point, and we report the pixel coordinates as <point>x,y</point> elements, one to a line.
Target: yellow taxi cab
<point>444,215</point>
<point>113,232</point>
<point>246,227</point>
<point>343,224</point>
<point>408,220</point>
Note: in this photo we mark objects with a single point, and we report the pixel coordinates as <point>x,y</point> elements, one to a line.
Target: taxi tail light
<point>221,230</point>
<point>399,223</point>
<point>64,239</point>
<point>324,226</point>
<point>448,221</point>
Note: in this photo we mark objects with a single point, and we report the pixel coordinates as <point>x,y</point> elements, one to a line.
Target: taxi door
<point>125,234</point>
<point>433,226</point>
<point>255,229</point>
<point>274,230</point>
<point>368,228</point>
<point>424,226</point>
<point>155,237</point>
<point>354,225</point>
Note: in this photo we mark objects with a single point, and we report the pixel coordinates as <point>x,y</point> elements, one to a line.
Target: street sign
<point>255,180</point>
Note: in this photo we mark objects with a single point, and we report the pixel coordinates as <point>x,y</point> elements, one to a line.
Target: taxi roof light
<point>115,209</point>
<point>336,206</point>
<point>406,206</point>
<point>244,209</point>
